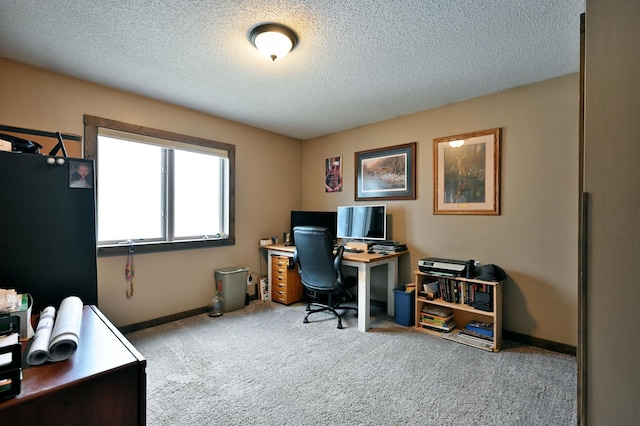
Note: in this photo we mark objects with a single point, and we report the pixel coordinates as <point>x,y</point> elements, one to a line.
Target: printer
<point>447,267</point>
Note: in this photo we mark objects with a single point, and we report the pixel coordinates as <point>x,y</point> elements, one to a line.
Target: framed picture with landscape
<point>466,173</point>
<point>386,173</point>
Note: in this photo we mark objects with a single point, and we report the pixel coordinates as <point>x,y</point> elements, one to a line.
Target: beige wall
<point>535,237</point>
<point>165,283</point>
<point>612,177</point>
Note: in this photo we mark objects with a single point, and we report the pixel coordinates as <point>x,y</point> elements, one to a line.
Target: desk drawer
<point>280,295</point>
<point>281,261</point>
<point>279,278</point>
<point>286,287</point>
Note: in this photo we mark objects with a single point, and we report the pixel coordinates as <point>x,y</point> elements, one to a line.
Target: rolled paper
<point>39,349</point>
<point>66,331</point>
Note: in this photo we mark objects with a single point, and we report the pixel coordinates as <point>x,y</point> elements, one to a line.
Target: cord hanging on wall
<point>130,271</point>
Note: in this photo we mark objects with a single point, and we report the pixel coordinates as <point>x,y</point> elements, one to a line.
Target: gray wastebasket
<point>233,282</point>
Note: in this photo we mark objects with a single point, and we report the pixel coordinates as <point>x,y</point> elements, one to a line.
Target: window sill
<point>157,247</point>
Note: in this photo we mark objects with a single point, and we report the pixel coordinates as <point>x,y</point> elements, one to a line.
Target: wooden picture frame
<point>386,173</point>
<point>466,173</point>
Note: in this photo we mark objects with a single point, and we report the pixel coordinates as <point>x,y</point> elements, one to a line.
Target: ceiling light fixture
<point>274,41</point>
<point>456,144</point>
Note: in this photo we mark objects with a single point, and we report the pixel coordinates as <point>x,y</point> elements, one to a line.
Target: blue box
<point>405,307</point>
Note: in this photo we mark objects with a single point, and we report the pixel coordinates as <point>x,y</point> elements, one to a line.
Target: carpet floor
<point>262,366</point>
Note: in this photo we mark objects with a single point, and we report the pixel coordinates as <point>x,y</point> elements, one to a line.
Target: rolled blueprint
<point>66,331</point>
<point>39,350</point>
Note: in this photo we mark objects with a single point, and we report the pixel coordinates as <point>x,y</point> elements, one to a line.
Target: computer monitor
<point>362,222</point>
<point>313,218</point>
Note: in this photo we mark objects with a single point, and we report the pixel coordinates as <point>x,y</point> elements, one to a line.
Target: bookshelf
<point>455,296</point>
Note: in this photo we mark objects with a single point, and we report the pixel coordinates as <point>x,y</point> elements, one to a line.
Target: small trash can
<point>405,306</point>
<point>233,282</point>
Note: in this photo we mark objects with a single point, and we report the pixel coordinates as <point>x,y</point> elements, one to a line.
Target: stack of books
<point>477,332</point>
<point>437,318</point>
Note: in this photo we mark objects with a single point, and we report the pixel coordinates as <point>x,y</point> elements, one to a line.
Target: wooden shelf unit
<point>462,312</point>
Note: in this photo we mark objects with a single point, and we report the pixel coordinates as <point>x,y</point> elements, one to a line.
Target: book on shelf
<point>464,337</point>
<point>476,335</point>
<point>483,325</point>
<point>442,328</point>
<point>431,286</point>
<point>435,318</point>
<point>470,340</point>
<point>448,326</point>
<point>485,328</point>
<point>453,290</point>
<point>471,292</point>
<point>439,311</point>
<point>445,289</point>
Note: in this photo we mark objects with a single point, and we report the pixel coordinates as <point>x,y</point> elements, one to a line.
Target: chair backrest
<point>319,268</point>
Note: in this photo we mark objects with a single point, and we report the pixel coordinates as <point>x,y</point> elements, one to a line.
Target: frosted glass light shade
<point>273,45</point>
<point>273,40</point>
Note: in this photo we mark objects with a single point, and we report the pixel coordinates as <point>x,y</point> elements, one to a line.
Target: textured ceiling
<point>357,61</point>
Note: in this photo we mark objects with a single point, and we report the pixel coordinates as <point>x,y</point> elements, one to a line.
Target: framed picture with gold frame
<point>466,173</point>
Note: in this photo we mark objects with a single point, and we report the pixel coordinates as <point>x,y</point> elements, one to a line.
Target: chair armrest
<point>337,260</point>
<point>295,261</point>
<point>337,263</point>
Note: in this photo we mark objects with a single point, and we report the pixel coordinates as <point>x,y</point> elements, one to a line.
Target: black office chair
<point>320,270</point>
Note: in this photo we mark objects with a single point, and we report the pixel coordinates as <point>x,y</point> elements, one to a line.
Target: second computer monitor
<point>313,218</point>
<point>362,222</point>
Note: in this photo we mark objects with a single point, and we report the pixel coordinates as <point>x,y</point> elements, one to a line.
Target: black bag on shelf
<point>21,145</point>
<point>482,301</point>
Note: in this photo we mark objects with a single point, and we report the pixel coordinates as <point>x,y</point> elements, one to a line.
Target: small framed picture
<point>80,174</point>
<point>333,175</point>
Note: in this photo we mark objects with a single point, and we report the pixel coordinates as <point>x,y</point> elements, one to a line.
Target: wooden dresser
<point>103,383</point>
<point>286,286</point>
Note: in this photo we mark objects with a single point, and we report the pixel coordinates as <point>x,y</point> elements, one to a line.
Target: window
<point>159,190</point>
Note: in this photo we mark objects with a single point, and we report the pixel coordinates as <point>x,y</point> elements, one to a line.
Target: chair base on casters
<point>330,308</point>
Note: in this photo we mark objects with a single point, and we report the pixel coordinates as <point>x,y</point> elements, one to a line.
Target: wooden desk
<point>103,383</point>
<point>364,262</point>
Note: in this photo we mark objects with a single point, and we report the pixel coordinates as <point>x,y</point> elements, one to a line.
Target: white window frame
<point>95,126</point>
